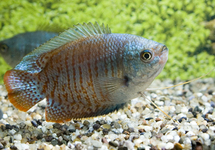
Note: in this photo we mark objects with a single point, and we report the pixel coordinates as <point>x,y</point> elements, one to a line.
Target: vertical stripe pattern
<point>70,77</point>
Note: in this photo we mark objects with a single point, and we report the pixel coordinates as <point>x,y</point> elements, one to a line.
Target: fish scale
<point>86,71</point>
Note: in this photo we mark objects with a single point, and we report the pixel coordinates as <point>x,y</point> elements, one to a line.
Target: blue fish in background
<point>15,48</point>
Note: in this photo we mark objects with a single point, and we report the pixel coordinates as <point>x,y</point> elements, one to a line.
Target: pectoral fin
<point>112,84</point>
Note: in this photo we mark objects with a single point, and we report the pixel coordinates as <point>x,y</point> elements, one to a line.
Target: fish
<point>15,48</point>
<point>86,71</point>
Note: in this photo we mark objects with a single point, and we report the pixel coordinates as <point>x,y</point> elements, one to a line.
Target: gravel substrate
<point>139,126</point>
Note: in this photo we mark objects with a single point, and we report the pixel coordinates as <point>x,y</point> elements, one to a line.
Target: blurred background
<point>187,27</point>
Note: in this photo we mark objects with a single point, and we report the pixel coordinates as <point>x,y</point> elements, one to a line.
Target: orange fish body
<point>86,71</point>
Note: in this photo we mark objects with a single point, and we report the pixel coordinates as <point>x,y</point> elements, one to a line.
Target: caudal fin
<point>23,89</point>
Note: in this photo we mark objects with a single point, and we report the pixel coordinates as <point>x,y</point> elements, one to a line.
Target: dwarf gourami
<point>15,48</point>
<point>86,71</point>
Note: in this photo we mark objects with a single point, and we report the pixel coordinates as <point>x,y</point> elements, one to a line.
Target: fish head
<point>10,50</point>
<point>4,49</point>
<point>144,60</point>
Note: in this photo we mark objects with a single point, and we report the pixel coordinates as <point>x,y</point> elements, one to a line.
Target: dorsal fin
<point>79,31</point>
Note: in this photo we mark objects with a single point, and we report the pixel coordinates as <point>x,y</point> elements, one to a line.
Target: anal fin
<point>62,111</point>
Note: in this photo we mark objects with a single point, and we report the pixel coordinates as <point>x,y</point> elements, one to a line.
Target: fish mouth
<point>164,48</point>
<point>164,55</point>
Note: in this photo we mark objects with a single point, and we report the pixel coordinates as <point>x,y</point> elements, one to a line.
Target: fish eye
<point>3,48</point>
<point>146,55</point>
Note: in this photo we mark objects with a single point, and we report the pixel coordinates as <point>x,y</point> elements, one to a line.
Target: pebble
<point>106,126</point>
<point>8,126</point>
<point>1,146</point>
<point>12,132</point>
<point>210,92</point>
<point>13,147</point>
<point>71,128</point>
<point>184,110</point>
<point>197,109</point>
<point>181,119</point>
<point>34,123</point>
<point>116,125</point>
<point>178,146</point>
<point>77,125</point>
<point>169,145</point>
<point>157,119</point>
<point>96,126</point>
<point>138,126</point>
<point>105,131</point>
<point>137,142</point>
<point>4,116</point>
<point>148,118</point>
<point>204,98</point>
<point>124,126</point>
<point>128,113</point>
<point>104,140</point>
<point>28,123</point>
<point>204,130</point>
<point>96,143</point>
<point>205,136</point>
<point>1,114</point>
<point>18,137</point>
<point>86,123</point>
<point>48,138</point>
<point>57,126</point>
<point>199,94</point>
<point>39,136</point>
<point>212,146</point>
<point>122,148</point>
<point>112,143</point>
<point>129,145</point>
<point>130,130</point>
<point>54,142</point>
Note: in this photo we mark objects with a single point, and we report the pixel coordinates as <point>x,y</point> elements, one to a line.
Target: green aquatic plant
<point>178,24</point>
